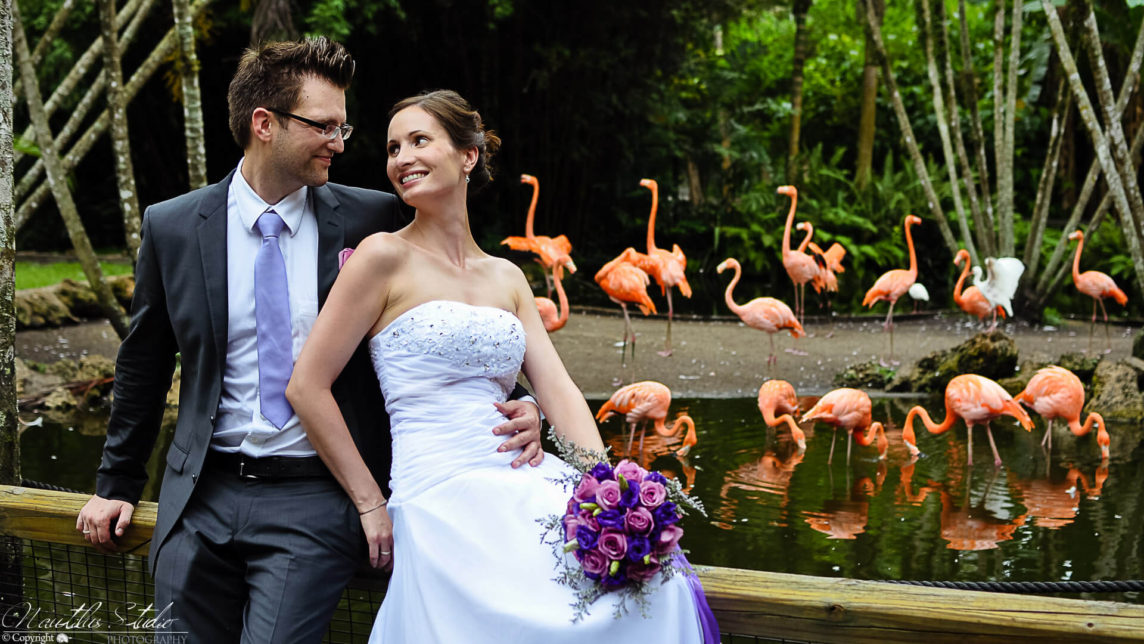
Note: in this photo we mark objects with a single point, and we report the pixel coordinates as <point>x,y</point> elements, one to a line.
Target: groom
<point>255,540</point>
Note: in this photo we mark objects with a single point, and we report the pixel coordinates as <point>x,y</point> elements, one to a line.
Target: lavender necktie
<point>272,316</point>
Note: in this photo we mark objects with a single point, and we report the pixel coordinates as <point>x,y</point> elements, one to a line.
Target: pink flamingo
<point>624,282</point>
<point>851,410</point>
<point>667,268</point>
<point>975,399</point>
<point>777,396</point>
<point>762,313</point>
<point>549,250</point>
<point>1096,285</point>
<point>894,284</point>
<point>554,321</point>
<point>972,300</point>
<point>644,401</point>
<point>1055,392</point>
<point>799,266</point>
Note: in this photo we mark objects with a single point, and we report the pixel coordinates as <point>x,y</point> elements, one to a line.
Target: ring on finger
<point>384,553</point>
<point>87,531</point>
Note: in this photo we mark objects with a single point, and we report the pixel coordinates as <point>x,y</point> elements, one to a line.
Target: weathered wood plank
<point>748,602</point>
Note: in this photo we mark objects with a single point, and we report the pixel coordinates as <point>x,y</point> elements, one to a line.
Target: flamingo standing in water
<point>971,299</point>
<point>644,401</point>
<point>667,268</point>
<point>799,266</point>
<point>778,397</point>
<point>1096,285</point>
<point>1055,392</point>
<point>894,284</point>
<point>975,399</point>
<point>762,313</point>
<point>624,282</point>
<point>851,410</point>
<point>554,321</point>
<point>549,250</point>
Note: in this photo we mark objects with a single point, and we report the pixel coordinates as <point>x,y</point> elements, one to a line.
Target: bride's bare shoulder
<point>381,251</point>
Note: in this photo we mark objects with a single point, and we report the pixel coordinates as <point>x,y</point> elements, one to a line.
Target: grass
<point>36,274</point>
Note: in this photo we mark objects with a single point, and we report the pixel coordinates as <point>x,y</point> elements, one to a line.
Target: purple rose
<point>668,539</point>
<point>666,514</point>
<point>641,572</point>
<point>639,521</point>
<point>586,489</point>
<point>613,519</point>
<point>652,494</point>
<point>603,472</point>
<point>631,496</point>
<point>630,471</point>
<point>608,495</point>
<point>586,519</point>
<point>571,523</point>
<point>638,547</point>
<point>656,477</point>
<point>593,562</point>
<point>587,538</point>
<point>613,544</point>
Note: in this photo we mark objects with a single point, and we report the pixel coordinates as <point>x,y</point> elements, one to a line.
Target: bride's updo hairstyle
<point>464,126</point>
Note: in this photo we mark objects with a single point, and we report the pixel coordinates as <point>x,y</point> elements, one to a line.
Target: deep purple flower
<point>631,496</point>
<point>639,521</point>
<point>586,537</point>
<point>593,562</point>
<point>603,472</point>
<point>618,581</point>
<point>668,539</point>
<point>652,494</point>
<point>641,572</point>
<point>656,477</point>
<point>638,547</point>
<point>586,489</point>
<point>630,471</point>
<point>608,495</point>
<point>613,544</point>
<point>666,514</point>
<point>613,519</point>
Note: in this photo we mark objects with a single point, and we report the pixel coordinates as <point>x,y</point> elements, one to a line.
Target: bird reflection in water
<point>1055,503</point>
<point>965,526</point>
<point>765,481</point>
<point>846,518</point>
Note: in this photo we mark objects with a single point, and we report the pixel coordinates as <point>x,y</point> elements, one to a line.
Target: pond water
<point>1059,517</point>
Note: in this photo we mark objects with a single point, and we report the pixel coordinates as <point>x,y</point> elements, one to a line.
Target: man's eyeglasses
<point>329,130</point>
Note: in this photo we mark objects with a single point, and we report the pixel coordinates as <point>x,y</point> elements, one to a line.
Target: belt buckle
<point>242,470</point>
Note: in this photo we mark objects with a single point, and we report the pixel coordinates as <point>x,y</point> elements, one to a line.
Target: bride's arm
<point>352,309</point>
<point>560,399</point>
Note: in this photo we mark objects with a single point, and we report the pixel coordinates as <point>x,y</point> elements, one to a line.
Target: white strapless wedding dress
<point>469,564</point>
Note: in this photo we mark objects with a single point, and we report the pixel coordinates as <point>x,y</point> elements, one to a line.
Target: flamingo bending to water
<point>975,399</point>
<point>667,268</point>
<point>762,313</point>
<point>799,266</point>
<point>644,401</point>
<point>851,410</point>
<point>553,320</point>
<point>778,397</point>
<point>971,299</point>
<point>624,282</point>
<point>549,250</point>
<point>1096,285</point>
<point>895,283</point>
<point>1055,392</point>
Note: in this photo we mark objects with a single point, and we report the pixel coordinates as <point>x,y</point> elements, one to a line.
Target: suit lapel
<point>331,238</point>
<point>212,249</point>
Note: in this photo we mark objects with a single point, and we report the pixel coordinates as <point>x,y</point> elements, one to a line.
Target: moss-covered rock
<point>1138,344</point>
<point>66,303</point>
<point>992,354</point>
<point>1083,366</point>
<point>865,375</point>
<point>1115,392</point>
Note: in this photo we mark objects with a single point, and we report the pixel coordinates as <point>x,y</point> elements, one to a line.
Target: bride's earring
<point>467,178</point>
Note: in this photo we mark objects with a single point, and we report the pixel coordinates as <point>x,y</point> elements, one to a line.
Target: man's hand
<point>523,430</point>
<point>97,517</point>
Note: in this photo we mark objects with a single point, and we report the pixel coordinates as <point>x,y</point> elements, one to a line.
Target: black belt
<point>270,467</point>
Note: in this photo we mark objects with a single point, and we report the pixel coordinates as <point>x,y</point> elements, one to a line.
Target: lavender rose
<point>639,521</point>
<point>586,489</point>
<point>586,519</point>
<point>593,562</point>
<point>652,494</point>
<point>571,524</point>
<point>641,572</point>
<point>630,471</point>
<point>608,495</point>
<point>668,539</point>
<point>613,544</point>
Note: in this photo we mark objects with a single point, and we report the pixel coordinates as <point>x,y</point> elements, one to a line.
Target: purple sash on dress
<point>707,622</point>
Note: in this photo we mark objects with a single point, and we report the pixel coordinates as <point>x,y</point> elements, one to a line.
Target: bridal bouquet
<point>620,527</point>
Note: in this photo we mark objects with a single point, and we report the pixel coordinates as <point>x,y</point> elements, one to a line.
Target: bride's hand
<point>523,429</point>
<point>378,529</point>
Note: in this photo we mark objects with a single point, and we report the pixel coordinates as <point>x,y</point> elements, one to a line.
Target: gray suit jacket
<point>180,307</point>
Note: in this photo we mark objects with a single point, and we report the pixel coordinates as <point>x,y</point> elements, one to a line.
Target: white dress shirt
<point>240,426</point>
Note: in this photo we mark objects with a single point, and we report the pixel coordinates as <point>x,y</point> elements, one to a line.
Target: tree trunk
<point>192,98</point>
<point>146,69</point>
<point>799,8</point>
<point>867,121</point>
<point>1005,167</point>
<point>9,425</point>
<point>977,131</point>
<point>998,105</point>
<point>939,112</point>
<point>875,32</point>
<point>1040,215</point>
<point>1099,142</point>
<point>57,179</point>
<point>272,20</point>
<point>120,142</point>
<point>694,182</point>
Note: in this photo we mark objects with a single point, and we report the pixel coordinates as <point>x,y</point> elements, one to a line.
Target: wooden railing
<point>747,602</point>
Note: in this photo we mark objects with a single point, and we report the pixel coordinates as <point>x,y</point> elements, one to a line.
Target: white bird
<point>919,294</point>
<point>1000,283</point>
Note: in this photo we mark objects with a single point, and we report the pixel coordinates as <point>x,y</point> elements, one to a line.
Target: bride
<point>449,327</point>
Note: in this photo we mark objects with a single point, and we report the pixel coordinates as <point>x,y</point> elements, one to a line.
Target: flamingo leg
<point>772,359</point>
<point>996,456</point>
<point>632,437</point>
<point>969,448</point>
<point>830,458</point>
<point>1107,337</point>
<point>849,446</point>
<point>1048,439</point>
<point>670,313</point>
<point>628,332</point>
<point>642,433</point>
<point>547,277</point>
<point>1092,327</point>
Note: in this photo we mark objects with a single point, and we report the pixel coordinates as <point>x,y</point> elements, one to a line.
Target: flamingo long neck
<point>806,240</point>
<point>789,222</point>
<point>735,308</point>
<point>651,220</point>
<point>557,273</point>
<point>934,428</point>
<point>960,283</point>
<point>1076,259</point>
<point>913,255</point>
<point>662,429</point>
<point>532,210</point>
